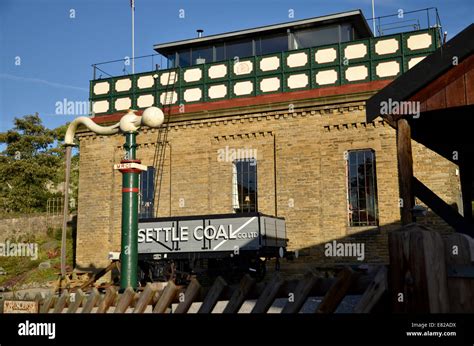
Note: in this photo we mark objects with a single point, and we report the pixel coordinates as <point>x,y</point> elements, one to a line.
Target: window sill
<point>366,230</point>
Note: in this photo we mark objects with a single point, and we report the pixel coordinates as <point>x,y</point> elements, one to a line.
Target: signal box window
<point>244,186</point>
<point>362,188</point>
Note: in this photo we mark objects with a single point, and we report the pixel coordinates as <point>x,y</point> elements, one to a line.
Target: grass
<point>26,270</point>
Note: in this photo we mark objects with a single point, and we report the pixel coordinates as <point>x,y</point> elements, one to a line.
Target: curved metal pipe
<point>91,125</point>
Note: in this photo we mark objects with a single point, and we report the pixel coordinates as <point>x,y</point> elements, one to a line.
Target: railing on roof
<point>384,57</point>
<point>113,68</point>
<point>404,21</point>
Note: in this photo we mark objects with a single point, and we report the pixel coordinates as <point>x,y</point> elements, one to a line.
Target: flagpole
<point>373,17</point>
<point>133,36</point>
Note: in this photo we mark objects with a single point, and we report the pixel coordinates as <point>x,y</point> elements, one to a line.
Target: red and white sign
<point>130,165</point>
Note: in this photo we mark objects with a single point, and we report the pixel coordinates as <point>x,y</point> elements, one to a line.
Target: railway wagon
<point>208,245</point>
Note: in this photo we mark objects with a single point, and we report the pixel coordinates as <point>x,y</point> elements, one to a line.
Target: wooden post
<point>47,304</point>
<point>109,298</point>
<point>191,294</point>
<point>39,299</point>
<point>337,292</point>
<point>65,212</point>
<point>465,177</point>
<point>166,298</point>
<point>405,170</point>
<point>461,290</point>
<point>125,300</point>
<point>146,298</point>
<point>61,303</point>
<point>373,293</point>
<point>300,295</point>
<point>268,295</point>
<point>213,296</point>
<point>91,301</point>
<point>78,298</point>
<point>418,280</point>
<point>239,296</point>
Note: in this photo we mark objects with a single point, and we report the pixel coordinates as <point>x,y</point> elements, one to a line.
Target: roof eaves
<point>164,46</point>
<point>430,68</point>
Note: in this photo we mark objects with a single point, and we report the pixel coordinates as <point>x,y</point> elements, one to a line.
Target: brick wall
<point>307,148</point>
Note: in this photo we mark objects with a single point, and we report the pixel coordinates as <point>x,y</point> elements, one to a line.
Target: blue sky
<point>46,55</point>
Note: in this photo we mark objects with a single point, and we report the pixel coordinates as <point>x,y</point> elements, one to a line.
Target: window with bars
<point>244,186</point>
<point>362,188</point>
<point>147,193</point>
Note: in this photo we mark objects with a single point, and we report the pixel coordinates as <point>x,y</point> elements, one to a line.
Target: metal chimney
<point>199,32</point>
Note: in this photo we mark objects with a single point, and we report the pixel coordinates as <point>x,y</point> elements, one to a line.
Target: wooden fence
<point>169,298</point>
<point>427,273</point>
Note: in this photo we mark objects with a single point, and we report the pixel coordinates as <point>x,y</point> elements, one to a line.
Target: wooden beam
<point>47,304</point>
<point>108,300</point>
<point>39,299</point>
<point>166,298</point>
<point>405,171</point>
<point>440,207</point>
<point>191,294</point>
<point>300,294</point>
<point>268,295</point>
<point>373,293</point>
<point>125,300</point>
<point>212,296</point>
<point>239,296</point>
<point>99,274</point>
<point>61,303</point>
<point>92,300</point>
<point>135,299</point>
<point>74,305</point>
<point>146,298</point>
<point>337,292</point>
<point>358,287</point>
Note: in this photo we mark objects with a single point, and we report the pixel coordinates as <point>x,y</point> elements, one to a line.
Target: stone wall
<point>28,225</point>
<point>300,153</point>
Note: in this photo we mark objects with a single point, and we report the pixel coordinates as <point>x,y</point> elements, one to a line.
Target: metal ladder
<point>161,141</point>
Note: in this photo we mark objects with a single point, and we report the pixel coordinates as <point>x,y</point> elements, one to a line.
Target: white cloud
<point>42,81</point>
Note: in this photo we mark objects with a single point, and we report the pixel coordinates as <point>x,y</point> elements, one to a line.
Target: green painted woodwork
<point>403,54</point>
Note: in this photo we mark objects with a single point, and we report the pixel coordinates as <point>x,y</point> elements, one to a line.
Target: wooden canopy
<point>433,103</point>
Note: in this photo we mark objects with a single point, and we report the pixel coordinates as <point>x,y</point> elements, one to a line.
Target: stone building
<point>270,119</point>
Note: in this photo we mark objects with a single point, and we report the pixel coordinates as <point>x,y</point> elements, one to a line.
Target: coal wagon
<point>209,245</point>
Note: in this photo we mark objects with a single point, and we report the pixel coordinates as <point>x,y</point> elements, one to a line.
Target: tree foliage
<point>32,166</point>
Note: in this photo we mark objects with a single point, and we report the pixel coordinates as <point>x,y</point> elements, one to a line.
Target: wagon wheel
<point>260,269</point>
